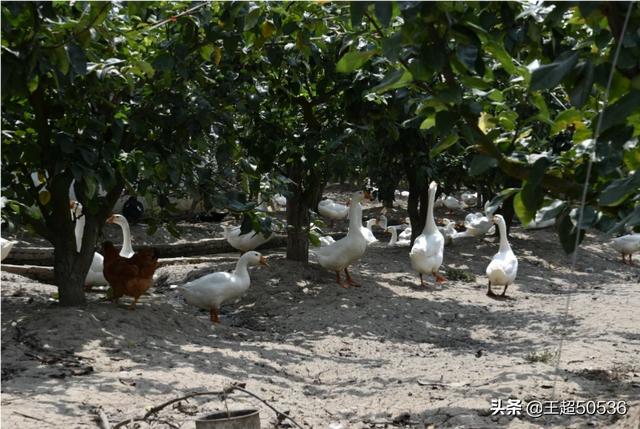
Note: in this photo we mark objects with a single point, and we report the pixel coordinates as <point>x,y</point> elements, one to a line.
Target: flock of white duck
<point>426,255</point>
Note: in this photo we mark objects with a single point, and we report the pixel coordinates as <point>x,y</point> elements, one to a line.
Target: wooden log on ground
<point>43,256</point>
<point>37,273</point>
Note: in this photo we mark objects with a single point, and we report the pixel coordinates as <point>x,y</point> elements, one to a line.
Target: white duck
<point>626,245</point>
<point>243,242</point>
<point>94,277</point>
<point>279,200</point>
<point>469,199</point>
<point>212,290</point>
<point>477,225</point>
<point>406,232</point>
<point>428,248</point>
<point>367,230</point>
<point>440,200</point>
<point>332,210</point>
<point>394,238</point>
<point>448,231</point>
<point>452,203</point>
<point>121,221</point>
<point>344,252</point>
<point>382,220</point>
<point>503,268</point>
<point>6,246</point>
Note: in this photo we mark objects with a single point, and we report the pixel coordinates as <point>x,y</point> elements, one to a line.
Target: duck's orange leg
<point>421,280</point>
<point>350,280</point>
<point>213,314</point>
<point>439,278</point>
<point>339,280</point>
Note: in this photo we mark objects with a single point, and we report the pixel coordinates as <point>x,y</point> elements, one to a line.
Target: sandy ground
<point>355,358</point>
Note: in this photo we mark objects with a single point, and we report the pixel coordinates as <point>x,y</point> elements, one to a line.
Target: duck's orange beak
<point>263,261</point>
<point>72,204</point>
<point>367,195</point>
<point>111,219</point>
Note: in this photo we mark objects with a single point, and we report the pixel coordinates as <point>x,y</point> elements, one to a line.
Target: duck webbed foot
<point>350,280</point>
<point>439,278</point>
<point>339,281</point>
<point>489,291</point>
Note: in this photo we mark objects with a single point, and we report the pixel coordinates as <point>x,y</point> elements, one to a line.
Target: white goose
<point>428,248</point>
<point>469,199</point>
<point>94,277</point>
<point>121,221</point>
<point>394,238</point>
<point>406,232</point>
<point>212,290</point>
<point>243,242</point>
<point>448,231</point>
<point>503,268</point>
<point>627,245</point>
<point>477,225</point>
<point>452,203</point>
<point>367,230</point>
<point>344,252</point>
<point>332,210</point>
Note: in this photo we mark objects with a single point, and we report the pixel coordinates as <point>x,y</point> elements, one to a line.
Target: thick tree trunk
<point>297,229</point>
<point>417,206</point>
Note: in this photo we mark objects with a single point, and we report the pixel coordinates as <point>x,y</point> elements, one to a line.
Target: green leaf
<point>78,59</point>
<point>543,111</point>
<point>497,201</point>
<point>566,118</point>
<point>524,214</point>
<point>500,53</point>
<point>393,80</point>
<point>532,195</point>
<point>384,10</point>
<point>579,94</point>
<point>252,17</point>
<point>443,145</point>
<point>567,232</point>
<point>391,46</point>
<point>353,60</point>
<point>314,239</point>
<point>428,123</point>
<point>481,163</point>
<point>44,197</point>
<point>550,75</point>
<point>619,190</point>
<point>358,9</point>
<point>90,186</point>
<point>618,112</point>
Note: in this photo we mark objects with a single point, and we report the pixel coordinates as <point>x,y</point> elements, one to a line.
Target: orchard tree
<point>104,96</point>
<point>474,70</point>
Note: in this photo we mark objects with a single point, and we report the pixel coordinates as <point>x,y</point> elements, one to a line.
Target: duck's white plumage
<point>212,290</point>
<point>452,203</point>
<point>503,268</point>
<point>6,246</point>
<point>243,242</point>
<point>127,247</point>
<point>342,253</point>
<point>469,199</point>
<point>427,251</point>
<point>367,230</point>
<point>627,245</point>
<point>394,241</point>
<point>332,210</point>
<point>476,225</point>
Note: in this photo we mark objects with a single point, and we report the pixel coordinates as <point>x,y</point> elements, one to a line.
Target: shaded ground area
<point>387,351</point>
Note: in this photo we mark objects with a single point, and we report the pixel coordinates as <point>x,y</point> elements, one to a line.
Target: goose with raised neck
<point>427,251</point>
<point>340,255</point>
<point>127,248</point>
<point>503,268</point>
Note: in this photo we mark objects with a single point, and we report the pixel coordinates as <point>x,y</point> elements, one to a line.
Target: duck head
<point>255,258</point>
<point>117,219</point>
<point>497,219</point>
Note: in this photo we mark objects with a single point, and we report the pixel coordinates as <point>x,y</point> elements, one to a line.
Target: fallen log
<point>43,256</point>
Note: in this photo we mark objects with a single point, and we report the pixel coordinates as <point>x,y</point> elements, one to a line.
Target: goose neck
<point>126,238</point>
<point>430,225</point>
<point>504,242</point>
<point>355,217</point>
<point>394,236</point>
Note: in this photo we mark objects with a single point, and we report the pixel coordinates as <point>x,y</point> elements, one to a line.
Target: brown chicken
<point>129,276</point>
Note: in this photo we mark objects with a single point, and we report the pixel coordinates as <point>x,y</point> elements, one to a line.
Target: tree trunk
<point>417,206</point>
<point>297,226</point>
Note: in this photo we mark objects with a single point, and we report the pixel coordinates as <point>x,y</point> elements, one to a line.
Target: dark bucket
<point>239,419</point>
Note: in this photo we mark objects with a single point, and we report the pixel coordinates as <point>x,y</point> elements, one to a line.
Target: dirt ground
<point>387,354</point>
